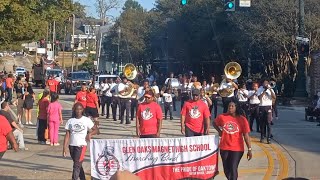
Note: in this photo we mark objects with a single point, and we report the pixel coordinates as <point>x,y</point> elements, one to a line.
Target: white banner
<point>160,158</point>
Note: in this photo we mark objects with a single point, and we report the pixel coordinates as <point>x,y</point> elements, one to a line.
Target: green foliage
<point>28,20</point>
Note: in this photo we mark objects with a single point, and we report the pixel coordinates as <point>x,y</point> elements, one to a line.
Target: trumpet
<point>272,84</point>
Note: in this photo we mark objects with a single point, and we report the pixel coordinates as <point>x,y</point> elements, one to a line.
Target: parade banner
<point>156,158</point>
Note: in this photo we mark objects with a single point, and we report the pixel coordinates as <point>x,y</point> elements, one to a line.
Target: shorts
<point>92,112</point>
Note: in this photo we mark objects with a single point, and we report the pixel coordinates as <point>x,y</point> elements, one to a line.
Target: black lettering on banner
<point>165,157</point>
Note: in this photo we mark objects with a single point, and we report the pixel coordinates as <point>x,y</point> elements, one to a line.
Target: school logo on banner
<point>156,159</point>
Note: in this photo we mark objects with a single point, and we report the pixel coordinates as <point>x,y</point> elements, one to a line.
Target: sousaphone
<point>130,72</point>
<point>232,71</point>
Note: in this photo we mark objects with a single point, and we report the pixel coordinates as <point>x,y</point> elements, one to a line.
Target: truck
<point>45,68</point>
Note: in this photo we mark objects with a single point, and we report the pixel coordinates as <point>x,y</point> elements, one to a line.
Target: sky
<point>91,9</point>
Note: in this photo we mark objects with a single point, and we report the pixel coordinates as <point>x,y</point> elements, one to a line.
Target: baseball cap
<point>149,94</point>
<point>196,92</point>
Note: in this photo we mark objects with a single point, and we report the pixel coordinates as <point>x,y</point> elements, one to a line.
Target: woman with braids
<point>233,127</point>
<point>78,131</point>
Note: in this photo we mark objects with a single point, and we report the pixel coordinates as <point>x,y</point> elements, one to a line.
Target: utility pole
<point>301,66</point>
<point>53,39</point>
<point>72,40</point>
<point>119,40</point>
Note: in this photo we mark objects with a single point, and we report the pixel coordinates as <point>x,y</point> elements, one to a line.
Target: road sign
<point>245,3</point>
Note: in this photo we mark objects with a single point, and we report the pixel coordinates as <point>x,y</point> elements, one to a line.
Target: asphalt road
<point>296,155</point>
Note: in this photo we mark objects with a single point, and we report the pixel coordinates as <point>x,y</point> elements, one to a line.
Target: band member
<point>214,96</point>
<point>156,91</point>
<point>141,91</point>
<point>134,104</point>
<point>106,96</point>
<point>205,98</point>
<point>125,102</point>
<point>168,84</point>
<point>266,94</point>
<point>185,87</point>
<point>233,129</point>
<point>254,102</point>
<point>149,118</point>
<point>115,100</point>
<point>58,79</point>
<point>228,85</point>
<point>168,104</point>
<point>195,116</point>
<point>92,105</point>
<point>205,86</point>
<point>52,84</point>
<point>242,95</point>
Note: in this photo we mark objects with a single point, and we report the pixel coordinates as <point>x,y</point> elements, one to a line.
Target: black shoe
<point>262,140</point>
<point>165,119</point>
<point>114,120</point>
<point>131,119</point>
<point>128,122</point>
<point>102,114</point>
<point>268,141</point>
<point>271,136</point>
<point>107,117</point>
<point>121,122</point>
<point>258,130</point>
<point>171,118</point>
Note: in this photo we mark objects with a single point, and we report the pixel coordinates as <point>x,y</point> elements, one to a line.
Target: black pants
<point>105,104</point>
<point>148,136</point>
<point>184,98</point>
<point>275,109</point>
<point>168,107</point>
<point>174,100</point>
<point>1,154</point>
<point>245,108</point>
<point>214,106</point>
<point>230,161</point>
<point>9,97</point>
<point>43,124</point>
<point>225,102</point>
<point>134,106</point>
<point>265,116</point>
<point>190,133</point>
<point>115,104</point>
<point>125,105</point>
<point>77,154</point>
<point>254,115</point>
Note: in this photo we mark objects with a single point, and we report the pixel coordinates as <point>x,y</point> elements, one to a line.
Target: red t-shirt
<point>52,85</point>
<point>92,98</point>
<point>9,82</point>
<point>81,97</point>
<point>43,106</point>
<point>195,113</point>
<point>148,115</point>
<point>5,128</point>
<point>233,129</point>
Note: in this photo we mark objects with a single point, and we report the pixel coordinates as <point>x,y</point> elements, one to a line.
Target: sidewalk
<point>43,162</point>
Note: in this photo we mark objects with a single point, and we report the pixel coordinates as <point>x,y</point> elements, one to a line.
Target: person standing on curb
<point>232,128</point>
<point>5,136</point>
<point>43,116</point>
<point>76,138</point>
<point>54,113</point>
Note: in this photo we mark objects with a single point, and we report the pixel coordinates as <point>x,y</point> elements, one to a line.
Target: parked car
<point>20,71</point>
<point>75,80</point>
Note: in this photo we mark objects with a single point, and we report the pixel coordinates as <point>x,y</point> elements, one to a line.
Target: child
<point>168,103</point>
<point>54,116</point>
<point>79,131</point>
<point>19,103</point>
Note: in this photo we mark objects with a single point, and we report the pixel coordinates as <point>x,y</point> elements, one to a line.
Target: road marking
<point>283,161</point>
<point>269,171</point>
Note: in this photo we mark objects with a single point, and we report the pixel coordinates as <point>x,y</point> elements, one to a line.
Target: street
<point>296,155</point>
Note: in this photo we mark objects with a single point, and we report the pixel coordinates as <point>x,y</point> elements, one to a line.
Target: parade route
<point>270,161</point>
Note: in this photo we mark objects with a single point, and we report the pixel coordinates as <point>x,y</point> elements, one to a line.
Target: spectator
<point>28,102</point>
<point>54,113</point>
<point>5,136</point>
<point>9,88</point>
<point>43,116</point>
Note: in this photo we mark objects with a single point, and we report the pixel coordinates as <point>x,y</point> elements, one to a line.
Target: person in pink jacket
<point>55,119</point>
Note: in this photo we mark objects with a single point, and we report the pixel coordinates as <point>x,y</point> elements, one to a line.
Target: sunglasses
<point>147,97</point>
<point>195,94</point>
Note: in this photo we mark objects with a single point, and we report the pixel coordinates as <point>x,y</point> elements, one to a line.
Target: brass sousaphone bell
<point>130,72</point>
<point>232,71</point>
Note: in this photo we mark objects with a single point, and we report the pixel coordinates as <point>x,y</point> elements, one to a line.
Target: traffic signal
<point>229,5</point>
<point>184,2</point>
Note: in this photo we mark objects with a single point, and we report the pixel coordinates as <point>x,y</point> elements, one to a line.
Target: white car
<point>101,78</point>
<point>20,71</point>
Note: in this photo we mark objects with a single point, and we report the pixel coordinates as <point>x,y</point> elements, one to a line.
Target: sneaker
<point>43,143</point>
<point>24,149</point>
<point>30,123</point>
<point>48,142</point>
<point>27,123</point>
<point>269,141</point>
<point>51,144</point>
<point>56,144</point>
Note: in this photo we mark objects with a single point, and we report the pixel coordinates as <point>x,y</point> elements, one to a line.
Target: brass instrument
<point>212,89</point>
<point>197,85</point>
<point>130,71</point>
<point>272,84</point>
<point>232,71</point>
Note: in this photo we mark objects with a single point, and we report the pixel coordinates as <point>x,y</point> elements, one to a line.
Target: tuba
<point>130,71</point>
<point>213,88</point>
<point>232,71</point>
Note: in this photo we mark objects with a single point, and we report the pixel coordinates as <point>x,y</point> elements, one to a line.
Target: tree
<point>104,6</point>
